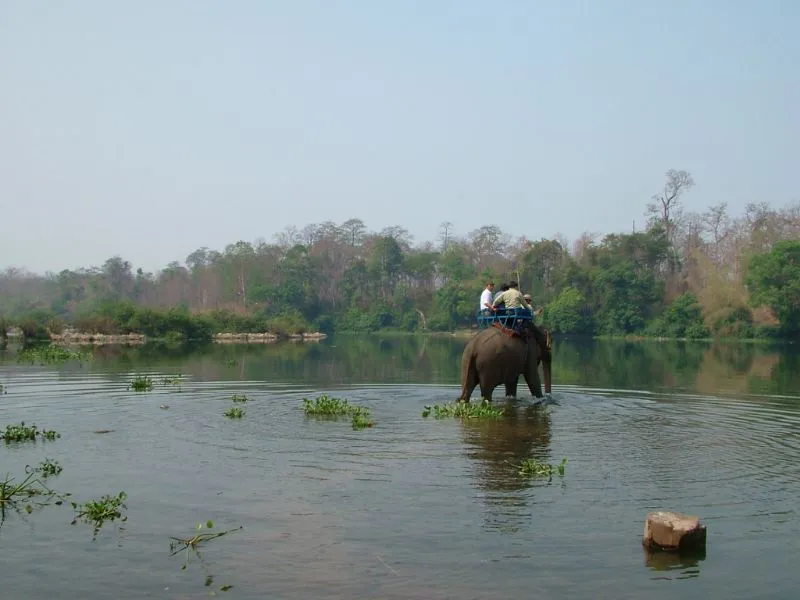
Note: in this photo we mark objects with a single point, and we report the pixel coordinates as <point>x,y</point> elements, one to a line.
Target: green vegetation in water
<point>531,467</point>
<point>47,468</point>
<point>234,412</point>
<point>49,354</point>
<point>361,418</point>
<point>31,490</point>
<point>2,389</point>
<point>464,410</point>
<point>26,433</point>
<point>326,406</point>
<point>239,398</point>
<point>191,544</point>
<point>173,380</point>
<point>97,512</point>
<point>142,383</point>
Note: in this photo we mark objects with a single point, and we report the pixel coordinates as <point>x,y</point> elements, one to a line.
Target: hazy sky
<point>149,129</point>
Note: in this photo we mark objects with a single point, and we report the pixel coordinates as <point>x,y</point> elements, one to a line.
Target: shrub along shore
<point>126,323</point>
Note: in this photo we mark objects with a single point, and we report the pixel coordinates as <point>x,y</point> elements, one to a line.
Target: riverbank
<point>73,337</point>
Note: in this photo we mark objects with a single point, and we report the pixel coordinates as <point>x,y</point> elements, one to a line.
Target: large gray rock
<point>673,531</point>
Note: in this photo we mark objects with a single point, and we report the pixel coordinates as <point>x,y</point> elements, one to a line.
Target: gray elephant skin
<point>495,357</point>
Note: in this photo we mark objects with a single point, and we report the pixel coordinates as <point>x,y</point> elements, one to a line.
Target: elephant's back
<point>493,345</point>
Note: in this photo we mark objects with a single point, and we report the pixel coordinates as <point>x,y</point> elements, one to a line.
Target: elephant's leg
<point>511,387</point>
<point>486,389</point>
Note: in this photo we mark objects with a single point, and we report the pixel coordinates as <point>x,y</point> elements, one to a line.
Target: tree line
<point>685,274</point>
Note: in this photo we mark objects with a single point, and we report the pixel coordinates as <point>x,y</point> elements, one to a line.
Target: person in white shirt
<point>487,298</point>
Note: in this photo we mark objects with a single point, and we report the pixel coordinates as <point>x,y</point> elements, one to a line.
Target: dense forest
<point>684,274</point>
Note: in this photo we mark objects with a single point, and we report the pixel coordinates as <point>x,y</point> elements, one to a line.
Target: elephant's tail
<point>467,372</point>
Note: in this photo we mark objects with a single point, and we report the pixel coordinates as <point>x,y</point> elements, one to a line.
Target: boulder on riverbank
<point>265,337</point>
<point>673,532</point>
<point>79,338</point>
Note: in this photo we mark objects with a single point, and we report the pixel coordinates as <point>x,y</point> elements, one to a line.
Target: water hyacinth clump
<point>97,512</point>
<point>26,433</point>
<point>464,410</point>
<point>360,418</point>
<point>531,467</point>
<point>326,406</point>
<point>47,468</point>
<point>239,398</point>
<point>234,412</point>
<point>142,383</point>
<point>50,354</point>
<point>173,380</point>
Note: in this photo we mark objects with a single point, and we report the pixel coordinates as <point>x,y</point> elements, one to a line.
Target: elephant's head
<point>544,342</point>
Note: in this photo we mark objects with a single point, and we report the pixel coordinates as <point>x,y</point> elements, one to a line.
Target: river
<point>413,507</point>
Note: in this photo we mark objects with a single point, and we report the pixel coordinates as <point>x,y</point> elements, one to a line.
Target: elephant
<point>496,355</point>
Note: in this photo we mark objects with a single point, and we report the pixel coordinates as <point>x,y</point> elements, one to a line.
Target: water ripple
<point>434,499</point>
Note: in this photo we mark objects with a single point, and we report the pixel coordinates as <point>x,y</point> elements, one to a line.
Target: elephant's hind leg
<point>486,390</point>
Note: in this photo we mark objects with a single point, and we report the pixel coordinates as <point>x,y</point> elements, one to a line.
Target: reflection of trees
<point>496,446</point>
<point>701,366</point>
<point>341,359</point>
<point>621,364</point>
<point>345,359</point>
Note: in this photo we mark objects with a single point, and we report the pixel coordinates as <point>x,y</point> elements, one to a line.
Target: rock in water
<point>673,531</point>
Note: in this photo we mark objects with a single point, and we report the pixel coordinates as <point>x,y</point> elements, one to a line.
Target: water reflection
<point>497,447</point>
<point>674,565</point>
<point>709,368</point>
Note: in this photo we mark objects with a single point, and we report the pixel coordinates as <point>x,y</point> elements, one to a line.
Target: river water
<point>413,507</point>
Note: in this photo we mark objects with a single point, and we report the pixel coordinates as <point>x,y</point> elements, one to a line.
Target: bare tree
<point>665,209</point>
<point>445,229</point>
<point>717,224</point>
<point>580,246</point>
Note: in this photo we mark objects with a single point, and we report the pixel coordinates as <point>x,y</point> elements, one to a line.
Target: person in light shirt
<point>486,298</point>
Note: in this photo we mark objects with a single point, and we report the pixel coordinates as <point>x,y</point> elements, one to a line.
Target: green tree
<point>569,313</point>
<point>774,281</point>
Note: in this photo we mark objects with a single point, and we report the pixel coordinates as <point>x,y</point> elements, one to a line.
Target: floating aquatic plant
<point>30,489</point>
<point>97,512</point>
<point>234,412</point>
<point>239,398</point>
<point>47,468</point>
<point>361,418</point>
<point>49,354</point>
<point>141,383</point>
<point>531,467</point>
<point>191,545</point>
<point>24,433</point>
<point>464,410</point>
<point>326,406</point>
<point>174,380</point>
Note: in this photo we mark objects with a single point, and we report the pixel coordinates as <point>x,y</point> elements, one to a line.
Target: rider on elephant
<point>512,297</point>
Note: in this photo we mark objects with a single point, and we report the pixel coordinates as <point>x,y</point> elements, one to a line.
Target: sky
<point>149,129</point>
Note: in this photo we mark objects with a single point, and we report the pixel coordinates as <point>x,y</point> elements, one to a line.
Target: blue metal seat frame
<point>507,317</point>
